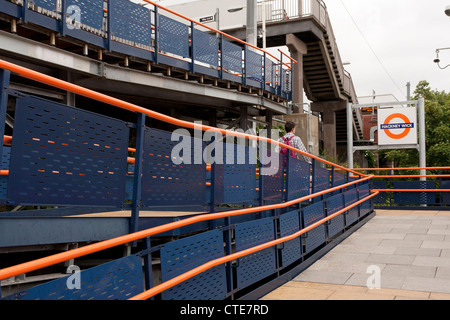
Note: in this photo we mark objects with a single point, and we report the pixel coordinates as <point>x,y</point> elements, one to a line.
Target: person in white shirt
<point>294,140</point>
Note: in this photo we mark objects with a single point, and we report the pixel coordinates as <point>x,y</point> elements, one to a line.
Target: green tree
<point>437,125</point>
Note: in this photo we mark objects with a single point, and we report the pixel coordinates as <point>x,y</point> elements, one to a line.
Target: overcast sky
<point>389,43</point>
<point>404,34</point>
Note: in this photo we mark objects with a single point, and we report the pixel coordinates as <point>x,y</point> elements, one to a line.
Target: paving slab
<point>410,251</point>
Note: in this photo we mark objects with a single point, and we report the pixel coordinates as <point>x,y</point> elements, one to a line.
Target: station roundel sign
<point>398,135</point>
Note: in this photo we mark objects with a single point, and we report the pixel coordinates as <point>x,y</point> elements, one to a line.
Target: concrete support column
<point>297,49</point>
<point>328,110</point>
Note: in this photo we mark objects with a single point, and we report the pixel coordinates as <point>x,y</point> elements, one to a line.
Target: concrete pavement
<point>398,254</point>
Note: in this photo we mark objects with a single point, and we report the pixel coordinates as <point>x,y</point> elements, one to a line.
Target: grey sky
<point>404,34</point>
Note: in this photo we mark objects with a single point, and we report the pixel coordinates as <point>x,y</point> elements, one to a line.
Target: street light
<point>437,60</point>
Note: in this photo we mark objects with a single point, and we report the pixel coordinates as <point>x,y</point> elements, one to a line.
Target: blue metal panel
<point>298,178</point>
<point>445,195</point>
<point>259,265</point>
<point>321,179</point>
<point>66,156</point>
<point>408,198</point>
<point>286,81</point>
<point>173,36</point>
<point>180,256</point>
<point>239,178</point>
<point>316,236</point>
<point>130,22</point>
<point>91,12</point>
<point>166,183</point>
<point>366,206</point>
<point>338,180</point>
<point>117,280</point>
<point>232,57</point>
<point>254,66</point>
<point>381,198</point>
<point>270,72</point>
<point>271,175</point>
<point>206,48</point>
<point>6,154</point>
<point>335,225</point>
<point>351,197</point>
<point>292,250</point>
<point>46,4</point>
<point>10,8</point>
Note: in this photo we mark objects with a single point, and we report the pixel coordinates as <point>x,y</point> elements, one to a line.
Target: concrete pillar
<point>328,110</point>
<point>297,49</point>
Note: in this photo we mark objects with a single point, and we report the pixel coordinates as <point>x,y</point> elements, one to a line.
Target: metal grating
<point>352,215</point>
<point>46,4</point>
<point>130,23</point>
<point>408,198</point>
<point>445,195</point>
<point>91,12</point>
<point>180,256</point>
<point>254,66</point>
<point>173,36</point>
<point>270,72</point>
<point>117,280</point>
<point>317,236</point>
<point>232,57</point>
<point>206,48</point>
<point>286,80</point>
<point>298,181</point>
<point>259,265</point>
<point>164,181</point>
<point>366,206</point>
<point>335,225</point>
<point>292,249</point>
<point>6,155</point>
<point>321,178</point>
<point>271,175</point>
<point>66,156</point>
<point>381,198</point>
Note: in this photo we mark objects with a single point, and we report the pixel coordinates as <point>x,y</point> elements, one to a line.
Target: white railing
<point>279,10</point>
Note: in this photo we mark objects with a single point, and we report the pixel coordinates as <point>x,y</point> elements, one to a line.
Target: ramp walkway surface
<point>409,252</point>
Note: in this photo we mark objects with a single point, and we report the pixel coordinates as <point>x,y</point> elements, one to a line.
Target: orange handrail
<point>399,169</point>
<point>415,176</point>
<point>103,245</point>
<point>211,264</point>
<point>67,86</point>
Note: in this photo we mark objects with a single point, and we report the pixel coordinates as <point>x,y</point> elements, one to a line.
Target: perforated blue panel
<point>270,74</point>
<point>130,21</point>
<point>298,180</point>
<point>232,57</point>
<point>445,195</point>
<point>91,12</point>
<point>409,198</point>
<point>272,176</point>
<point>381,198</point>
<point>321,179</point>
<point>292,249</point>
<point>206,48</point>
<point>334,204</point>
<point>338,179</point>
<point>117,280</point>
<point>6,154</point>
<point>236,179</point>
<point>62,155</point>
<point>254,63</point>
<point>351,197</point>
<point>366,206</point>
<point>286,80</point>
<point>164,182</point>
<point>259,265</point>
<point>316,236</point>
<point>180,256</point>
<point>173,36</point>
<point>46,4</point>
